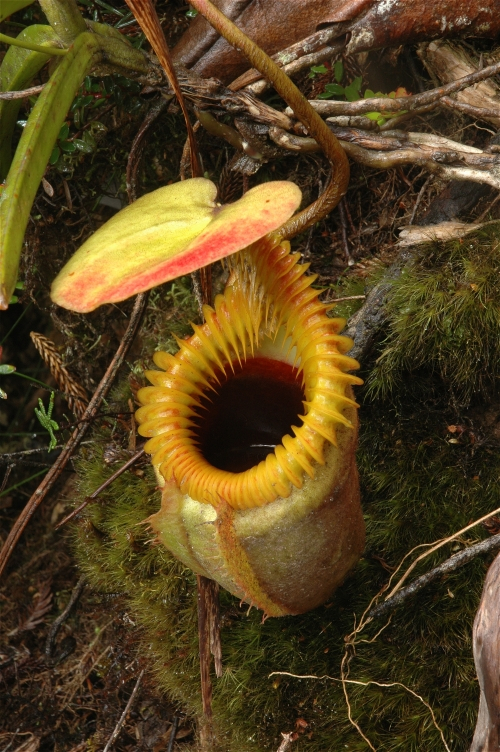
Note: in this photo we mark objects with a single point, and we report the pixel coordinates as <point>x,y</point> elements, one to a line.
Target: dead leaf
<point>36,615</point>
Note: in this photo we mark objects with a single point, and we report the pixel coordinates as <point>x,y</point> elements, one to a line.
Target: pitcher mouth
<point>249,412</point>
<point>268,363</point>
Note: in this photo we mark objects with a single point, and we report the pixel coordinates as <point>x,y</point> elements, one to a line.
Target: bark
<point>486,639</point>
<point>276,24</point>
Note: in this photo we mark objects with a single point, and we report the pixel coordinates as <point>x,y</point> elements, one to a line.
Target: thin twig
<point>469,109</point>
<point>454,562</point>
<point>137,148</point>
<point>327,52</point>
<point>288,738</point>
<point>118,727</point>
<point>6,477</point>
<point>346,298</point>
<point>57,623</point>
<point>206,731</point>
<point>419,198</point>
<point>432,548</point>
<point>90,413</point>
<point>173,733</point>
<point>22,94</point>
<point>342,207</point>
<point>9,456</point>
<point>367,684</point>
<point>296,51</point>
<point>490,206</point>
<point>104,485</point>
<point>382,104</point>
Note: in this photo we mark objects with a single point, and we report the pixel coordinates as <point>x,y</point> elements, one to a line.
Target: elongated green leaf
<point>33,152</point>
<point>8,7</point>
<point>165,234</point>
<point>17,70</point>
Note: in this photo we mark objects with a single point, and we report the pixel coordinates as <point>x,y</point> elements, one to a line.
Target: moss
<point>444,316</point>
<point>417,487</point>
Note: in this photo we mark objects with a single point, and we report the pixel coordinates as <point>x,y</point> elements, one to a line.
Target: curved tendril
<point>317,128</point>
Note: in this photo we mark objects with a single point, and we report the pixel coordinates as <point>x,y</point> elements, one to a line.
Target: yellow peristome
<point>268,310</point>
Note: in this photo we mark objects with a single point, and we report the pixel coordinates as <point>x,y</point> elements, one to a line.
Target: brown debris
<point>36,615</point>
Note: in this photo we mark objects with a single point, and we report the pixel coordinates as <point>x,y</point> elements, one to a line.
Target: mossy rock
<point>420,483</point>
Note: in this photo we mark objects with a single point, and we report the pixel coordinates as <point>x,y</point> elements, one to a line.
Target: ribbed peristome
<point>268,299</point>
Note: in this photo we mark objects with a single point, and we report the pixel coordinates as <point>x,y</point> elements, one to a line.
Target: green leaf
<point>34,150</point>
<point>89,139</point>
<point>17,71</point>
<point>352,91</point>
<point>338,70</point>
<point>56,153</point>
<point>12,6</point>
<point>315,69</point>
<point>332,90</point>
<point>82,145</point>
<point>67,146</point>
<point>64,132</point>
<point>5,369</point>
<point>165,234</point>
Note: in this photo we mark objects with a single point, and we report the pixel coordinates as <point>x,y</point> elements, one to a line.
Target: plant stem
<point>65,19</point>
<point>33,47</point>
<point>303,111</point>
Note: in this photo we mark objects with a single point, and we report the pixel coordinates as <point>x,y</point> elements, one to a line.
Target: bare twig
<point>342,207</point>
<point>431,548</point>
<point>173,733</point>
<point>302,63</point>
<point>137,148</point>
<point>450,565</point>
<point>114,736</point>
<point>288,738</point>
<point>290,54</point>
<point>101,488</point>
<point>419,198</point>
<point>204,633</point>
<point>367,684</point>
<point>57,623</point>
<point>90,413</point>
<point>447,158</point>
<point>469,109</point>
<point>6,477</point>
<point>22,94</point>
<point>490,206</point>
<point>386,104</point>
